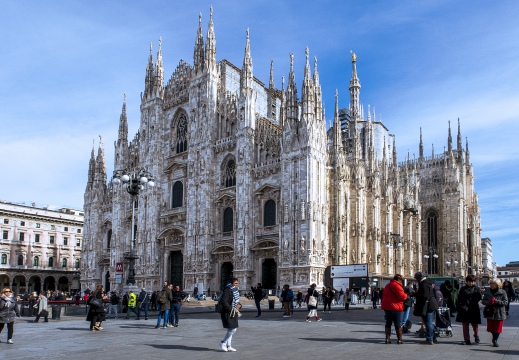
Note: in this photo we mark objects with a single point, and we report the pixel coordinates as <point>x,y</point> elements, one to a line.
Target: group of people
<point>396,304</point>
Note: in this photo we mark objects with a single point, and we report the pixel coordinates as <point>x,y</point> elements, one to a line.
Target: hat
<point>419,275</point>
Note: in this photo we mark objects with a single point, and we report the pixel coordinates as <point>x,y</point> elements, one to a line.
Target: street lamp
<point>430,254</point>
<point>134,180</point>
<point>452,262</point>
<point>394,244</point>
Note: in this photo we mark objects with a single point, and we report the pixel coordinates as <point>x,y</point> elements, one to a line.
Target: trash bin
<point>56,312</point>
<point>271,304</point>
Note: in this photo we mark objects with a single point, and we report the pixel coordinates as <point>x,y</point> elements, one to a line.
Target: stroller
<point>443,323</point>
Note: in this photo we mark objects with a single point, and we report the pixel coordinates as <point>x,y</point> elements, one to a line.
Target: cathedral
<point>250,183</point>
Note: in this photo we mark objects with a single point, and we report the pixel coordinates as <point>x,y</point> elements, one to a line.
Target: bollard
<point>56,312</point>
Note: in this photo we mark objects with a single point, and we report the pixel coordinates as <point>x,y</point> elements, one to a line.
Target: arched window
<point>20,259</point>
<point>269,213</point>
<point>51,262</point>
<point>229,176</point>
<point>4,259</point>
<point>76,265</point>
<point>36,261</point>
<point>227,220</point>
<point>109,238</point>
<point>432,242</point>
<point>177,195</point>
<point>64,262</point>
<point>182,134</point>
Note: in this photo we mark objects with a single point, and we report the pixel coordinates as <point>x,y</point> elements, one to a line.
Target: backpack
<point>289,295</point>
<point>163,297</point>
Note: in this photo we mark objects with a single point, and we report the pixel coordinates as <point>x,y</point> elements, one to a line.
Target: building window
<point>20,259</point>
<point>269,213</point>
<point>5,234</point>
<point>108,239</point>
<point>36,261</point>
<point>53,227</point>
<point>38,225</point>
<point>51,239</point>
<point>76,264</point>
<point>64,262</point>
<point>22,223</point>
<point>21,236</point>
<point>37,238</point>
<point>78,242</point>
<point>65,228</point>
<point>4,259</point>
<point>178,194</point>
<point>51,262</point>
<point>432,242</point>
<point>182,134</point>
<point>65,241</point>
<point>79,231</point>
<point>227,220</point>
<point>229,176</point>
<point>6,221</point>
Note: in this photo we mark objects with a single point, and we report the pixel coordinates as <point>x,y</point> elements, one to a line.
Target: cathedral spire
<point>449,139</point>
<point>395,163</point>
<point>271,82</point>
<point>100,172</point>
<point>150,73</point>
<point>307,89</point>
<point>246,71</point>
<point>123,125</point>
<point>337,139</point>
<point>354,88</point>
<point>291,99</point>
<point>159,69</point>
<point>319,109</point>
<point>91,167</point>
<point>210,47</point>
<point>421,145</point>
<point>459,144</point>
<point>467,153</point>
<point>198,58</point>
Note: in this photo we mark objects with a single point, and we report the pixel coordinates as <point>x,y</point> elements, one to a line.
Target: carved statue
<point>303,215</point>
<point>303,245</point>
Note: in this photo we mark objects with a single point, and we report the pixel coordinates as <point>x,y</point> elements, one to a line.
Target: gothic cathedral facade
<point>250,183</point>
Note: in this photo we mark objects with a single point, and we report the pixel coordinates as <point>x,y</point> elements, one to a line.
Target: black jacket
<point>228,322</point>
<point>425,300</point>
<point>467,305</point>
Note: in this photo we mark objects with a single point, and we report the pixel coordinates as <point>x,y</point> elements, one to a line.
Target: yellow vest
<point>132,300</point>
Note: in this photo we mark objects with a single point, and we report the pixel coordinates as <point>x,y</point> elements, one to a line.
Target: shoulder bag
<point>312,301</point>
<point>96,303</point>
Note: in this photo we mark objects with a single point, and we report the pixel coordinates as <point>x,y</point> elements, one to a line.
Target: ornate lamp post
<point>394,244</point>
<point>134,180</point>
<point>452,264</point>
<point>432,255</point>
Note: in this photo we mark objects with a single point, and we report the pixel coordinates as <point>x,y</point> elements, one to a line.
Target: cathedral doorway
<point>176,261</point>
<point>107,281</point>
<point>269,270</point>
<point>225,274</point>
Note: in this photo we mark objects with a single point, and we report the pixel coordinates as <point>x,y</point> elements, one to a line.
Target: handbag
<point>489,311</point>
<point>44,313</point>
<point>96,303</point>
<point>312,301</point>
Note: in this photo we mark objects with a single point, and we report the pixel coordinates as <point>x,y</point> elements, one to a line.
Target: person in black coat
<point>96,315</point>
<point>426,306</point>
<point>230,303</point>
<point>467,306</point>
<point>258,296</point>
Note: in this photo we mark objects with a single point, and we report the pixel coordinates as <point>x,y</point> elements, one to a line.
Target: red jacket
<point>394,296</point>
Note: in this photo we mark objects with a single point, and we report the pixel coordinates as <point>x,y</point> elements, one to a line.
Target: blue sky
<point>65,65</point>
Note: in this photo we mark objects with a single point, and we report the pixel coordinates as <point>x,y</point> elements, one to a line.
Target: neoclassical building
<point>40,249</point>
<point>250,182</point>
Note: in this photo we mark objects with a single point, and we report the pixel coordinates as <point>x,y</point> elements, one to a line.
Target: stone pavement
<point>357,333</point>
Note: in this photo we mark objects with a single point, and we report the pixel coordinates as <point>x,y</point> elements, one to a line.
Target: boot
<point>399,336</point>
<point>388,335</point>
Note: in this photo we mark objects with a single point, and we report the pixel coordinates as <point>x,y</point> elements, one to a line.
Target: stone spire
<point>271,81</point>
<point>459,144</point>
<point>354,89</point>
<point>246,71</point>
<point>467,153</point>
<point>337,138</point>
<point>319,110</point>
<point>91,167</point>
<point>100,171</point>
<point>421,145</point>
<point>150,74</point>
<point>307,90</point>
<point>210,47</point>
<point>395,162</point>
<point>159,69</point>
<point>449,139</point>
<point>123,125</point>
<point>198,57</point>
<point>291,95</point>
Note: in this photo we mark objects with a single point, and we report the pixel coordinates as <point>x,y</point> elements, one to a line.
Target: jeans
<point>257,302</point>
<point>393,317</point>
<point>428,320</point>
<point>110,308</point>
<point>174,314</point>
<point>406,315</point>
<point>162,314</point>
<point>145,308</point>
<point>228,336</point>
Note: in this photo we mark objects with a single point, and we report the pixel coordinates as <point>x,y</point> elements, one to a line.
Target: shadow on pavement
<point>493,350</point>
<point>75,328</point>
<point>183,347</point>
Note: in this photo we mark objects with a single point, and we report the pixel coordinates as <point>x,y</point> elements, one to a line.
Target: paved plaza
<point>357,333</point>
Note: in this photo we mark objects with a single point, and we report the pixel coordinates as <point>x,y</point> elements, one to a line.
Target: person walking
<point>374,298</point>
<point>230,304</point>
<point>96,314</point>
<point>509,290</point>
<point>132,305</point>
<point>327,299</point>
<point>467,306</point>
<point>495,301</point>
<point>143,304</point>
<point>176,305</point>
<point>313,295</point>
<point>41,305</point>
<point>287,296</point>
<point>393,306</point>
<point>33,298</point>
<point>114,302</point>
<point>258,296</point>
<point>425,307</point>
<point>347,299</point>
<point>8,312</point>
<point>164,298</point>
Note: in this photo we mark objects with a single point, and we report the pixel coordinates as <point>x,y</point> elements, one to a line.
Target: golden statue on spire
<point>353,56</point>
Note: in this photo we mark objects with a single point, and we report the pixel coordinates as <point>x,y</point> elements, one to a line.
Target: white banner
<point>343,271</point>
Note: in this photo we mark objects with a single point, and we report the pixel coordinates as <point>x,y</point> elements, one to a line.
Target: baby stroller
<point>443,323</point>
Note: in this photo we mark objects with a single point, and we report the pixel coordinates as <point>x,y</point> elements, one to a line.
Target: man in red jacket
<point>393,306</point>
